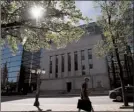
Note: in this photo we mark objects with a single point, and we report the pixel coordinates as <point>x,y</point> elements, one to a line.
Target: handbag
<point>84,105</point>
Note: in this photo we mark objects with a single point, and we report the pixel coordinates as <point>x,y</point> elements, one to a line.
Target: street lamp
<point>38,72</point>
<point>37,12</point>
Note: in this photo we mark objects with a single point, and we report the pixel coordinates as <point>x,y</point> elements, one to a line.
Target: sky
<point>87,9</point>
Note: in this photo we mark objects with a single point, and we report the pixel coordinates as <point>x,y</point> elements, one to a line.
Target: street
<point>100,103</point>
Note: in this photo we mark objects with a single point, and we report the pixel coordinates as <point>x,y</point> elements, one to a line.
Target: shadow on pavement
<point>129,101</point>
<point>12,98</point>
<point>71,111</point>
<point>39,109</point>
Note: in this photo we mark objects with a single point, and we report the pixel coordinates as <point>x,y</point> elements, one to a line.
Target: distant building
<point>67,67</point>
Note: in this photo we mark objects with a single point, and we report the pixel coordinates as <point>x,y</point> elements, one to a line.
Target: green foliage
<point>119,28</point>
<point>59,23</point>
<point>2,42</point>
<point>13,43</point>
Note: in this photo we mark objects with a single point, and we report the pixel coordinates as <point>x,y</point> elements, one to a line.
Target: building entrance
<point>69,86</point>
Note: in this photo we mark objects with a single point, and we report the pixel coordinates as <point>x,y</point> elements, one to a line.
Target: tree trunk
<point>121,78</point>
<point>109,74</point>
<point>113,71</point>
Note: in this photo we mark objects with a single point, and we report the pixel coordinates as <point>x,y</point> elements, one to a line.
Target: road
<point>100,103</point>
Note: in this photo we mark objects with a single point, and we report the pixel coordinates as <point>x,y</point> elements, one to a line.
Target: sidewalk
<point>60,107</point>
<point>100,103</point>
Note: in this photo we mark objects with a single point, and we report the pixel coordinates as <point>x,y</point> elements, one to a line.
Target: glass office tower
<point>28,80</point>
<point>10,68</point>
<point>16,70</point>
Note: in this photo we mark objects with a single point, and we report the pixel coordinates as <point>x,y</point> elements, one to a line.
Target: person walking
<point>84,89</point>
<point>84,92</point>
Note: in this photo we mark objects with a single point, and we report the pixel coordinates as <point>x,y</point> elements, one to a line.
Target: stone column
<point>53,66</point>
<point>66,66</point>
<point>59,66</point>
<point>86,61</point>
<point>72,64</point>
<point>79,64</point>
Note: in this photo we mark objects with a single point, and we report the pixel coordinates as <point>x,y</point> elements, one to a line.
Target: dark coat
<point>84,91</point>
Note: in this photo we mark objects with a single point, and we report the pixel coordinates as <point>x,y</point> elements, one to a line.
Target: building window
<point>91,66</point>
<point>75,60</point>
<point>56,75</point>
<point>62,63</point>
<point>91,29</point>
<point>69,61</point>
<point>50,66</point>
<point>83,67</point>
<point>83,73</point>
<point>90,59</point>
<point>89,54</point>
<point>56,68</point>
<point>82,55</point>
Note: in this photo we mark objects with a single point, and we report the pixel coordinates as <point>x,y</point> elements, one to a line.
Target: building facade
<point>67,67</point>
<point>15,69</point>
<point>10,68</point>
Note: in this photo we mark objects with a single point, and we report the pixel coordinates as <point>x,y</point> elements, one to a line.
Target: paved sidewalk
<point>100,103</point>
<point>59,107</point>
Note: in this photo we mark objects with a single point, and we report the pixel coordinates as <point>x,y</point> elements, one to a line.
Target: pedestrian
<point>84,89</point>
<point>84,92</point>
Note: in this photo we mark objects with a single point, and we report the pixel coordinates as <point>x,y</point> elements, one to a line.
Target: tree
<point>57,25</point>
<point>116,31</point>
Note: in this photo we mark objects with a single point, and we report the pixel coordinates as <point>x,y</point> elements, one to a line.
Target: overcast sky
<point>87,9</point>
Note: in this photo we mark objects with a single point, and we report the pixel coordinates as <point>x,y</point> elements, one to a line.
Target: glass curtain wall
<point>10,68</point>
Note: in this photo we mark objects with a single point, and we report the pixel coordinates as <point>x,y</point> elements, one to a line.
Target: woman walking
<point>84,92</point>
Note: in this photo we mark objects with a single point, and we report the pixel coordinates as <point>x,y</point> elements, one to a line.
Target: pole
<point>30,72</point>
<point>36,103</point>
<point>1,75</point>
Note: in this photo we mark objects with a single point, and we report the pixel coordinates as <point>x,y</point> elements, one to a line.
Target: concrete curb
<point>66,95</point>
<point>58,95</point>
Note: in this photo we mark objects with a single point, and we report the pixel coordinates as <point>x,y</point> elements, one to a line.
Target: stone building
<point>67,67</point>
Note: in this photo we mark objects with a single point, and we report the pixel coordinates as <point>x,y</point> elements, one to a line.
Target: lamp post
<point>37,12</point>
<point>38,72</point>
<point>30,72</point>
